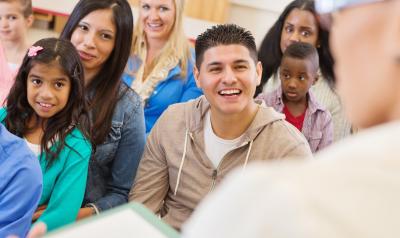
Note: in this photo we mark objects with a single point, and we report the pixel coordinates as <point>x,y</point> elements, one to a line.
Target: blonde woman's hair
<point>177,43</point>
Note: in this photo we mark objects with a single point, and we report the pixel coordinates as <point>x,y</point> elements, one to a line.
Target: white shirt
<point>215,147</point>
<point>35,148</point>
<point>351,190</point>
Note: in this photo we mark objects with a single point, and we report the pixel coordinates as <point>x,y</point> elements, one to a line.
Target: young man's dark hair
<point>301,50</point>
<point>226,34</point>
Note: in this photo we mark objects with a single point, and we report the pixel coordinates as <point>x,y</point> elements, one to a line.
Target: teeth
<point>229,92</point>
<point>154,24</point>
<point>45,105</point>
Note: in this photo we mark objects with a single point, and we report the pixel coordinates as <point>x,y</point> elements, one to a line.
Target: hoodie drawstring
<point>247,156</point>
<point>184,157</point>
<point>182,161</point>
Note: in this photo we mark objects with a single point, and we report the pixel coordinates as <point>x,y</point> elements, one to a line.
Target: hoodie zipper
<point>215,171</point>
<point>214,179</point>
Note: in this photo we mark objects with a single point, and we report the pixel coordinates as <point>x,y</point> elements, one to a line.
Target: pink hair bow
<point>33,50</point>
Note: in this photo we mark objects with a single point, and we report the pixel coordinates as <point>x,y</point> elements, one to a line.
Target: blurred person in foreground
<point>20,184</point>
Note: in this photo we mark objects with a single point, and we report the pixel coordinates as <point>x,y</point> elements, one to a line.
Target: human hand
<point>38,230</point>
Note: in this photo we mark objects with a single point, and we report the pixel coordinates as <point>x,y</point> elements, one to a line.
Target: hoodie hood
<point>175,174</point>
<point>196,111</point>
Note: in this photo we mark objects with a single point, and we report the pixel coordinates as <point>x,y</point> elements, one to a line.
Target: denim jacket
<point>113,166</point>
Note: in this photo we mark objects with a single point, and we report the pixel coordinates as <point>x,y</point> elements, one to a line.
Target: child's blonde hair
<point>26,6</point>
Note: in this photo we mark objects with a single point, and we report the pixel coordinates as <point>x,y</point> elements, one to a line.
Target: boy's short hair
<point>226,34</point>
<point>302,51</point>
<point>26,6</point>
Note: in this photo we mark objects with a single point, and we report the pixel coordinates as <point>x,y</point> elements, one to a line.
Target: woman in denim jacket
<point>101,31</point>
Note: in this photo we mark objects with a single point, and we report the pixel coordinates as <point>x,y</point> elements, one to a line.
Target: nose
<point>292,84</point>
<point>90,40</point>
<point>3,22</point>
<point>229,77</point>
<point>153,14</point>
<point>295,37</point>
<point>46,92</point>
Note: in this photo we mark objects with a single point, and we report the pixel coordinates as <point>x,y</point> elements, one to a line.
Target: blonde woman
<point>160,68</point>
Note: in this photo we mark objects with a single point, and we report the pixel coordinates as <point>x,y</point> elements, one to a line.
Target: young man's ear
<point>259,70</point>
<point>196,73</point>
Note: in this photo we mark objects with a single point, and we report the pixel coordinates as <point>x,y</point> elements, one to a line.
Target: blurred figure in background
<point>15,19</point>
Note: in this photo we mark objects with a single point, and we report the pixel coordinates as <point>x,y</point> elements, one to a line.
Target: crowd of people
<point>223,139</point>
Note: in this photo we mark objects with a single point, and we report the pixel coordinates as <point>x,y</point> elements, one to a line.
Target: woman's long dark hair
<point>270,53</point>
<point>74,114</point>
<point>104,88</point>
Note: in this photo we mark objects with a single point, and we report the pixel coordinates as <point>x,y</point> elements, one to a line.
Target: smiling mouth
<point>45,105</point>
<point>85,56</point>
<point>154,26</point>
<point>229,92</point>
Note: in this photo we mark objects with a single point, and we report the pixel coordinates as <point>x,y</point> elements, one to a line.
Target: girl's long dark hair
<point>104,88</point>
<point>270,53</point>
<point>74,114</point>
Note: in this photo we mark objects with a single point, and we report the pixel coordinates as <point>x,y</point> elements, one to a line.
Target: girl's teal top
<point>64,182</point>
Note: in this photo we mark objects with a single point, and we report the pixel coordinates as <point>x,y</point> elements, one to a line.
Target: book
<point>129,220</point>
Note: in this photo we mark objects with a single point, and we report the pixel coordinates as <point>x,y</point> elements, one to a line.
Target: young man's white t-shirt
<point>215,147</point>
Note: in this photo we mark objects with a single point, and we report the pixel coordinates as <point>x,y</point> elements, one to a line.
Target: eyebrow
<point>217,63</point>
<point>301,27</point>
<point>240,61</point>
<point>34,75</point>
<point>306,28</point>
<point>64,79</point>
<point>87,24</point>
<point>214,63</point>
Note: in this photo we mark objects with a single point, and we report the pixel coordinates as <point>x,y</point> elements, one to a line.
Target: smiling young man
<point>195,144</point>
